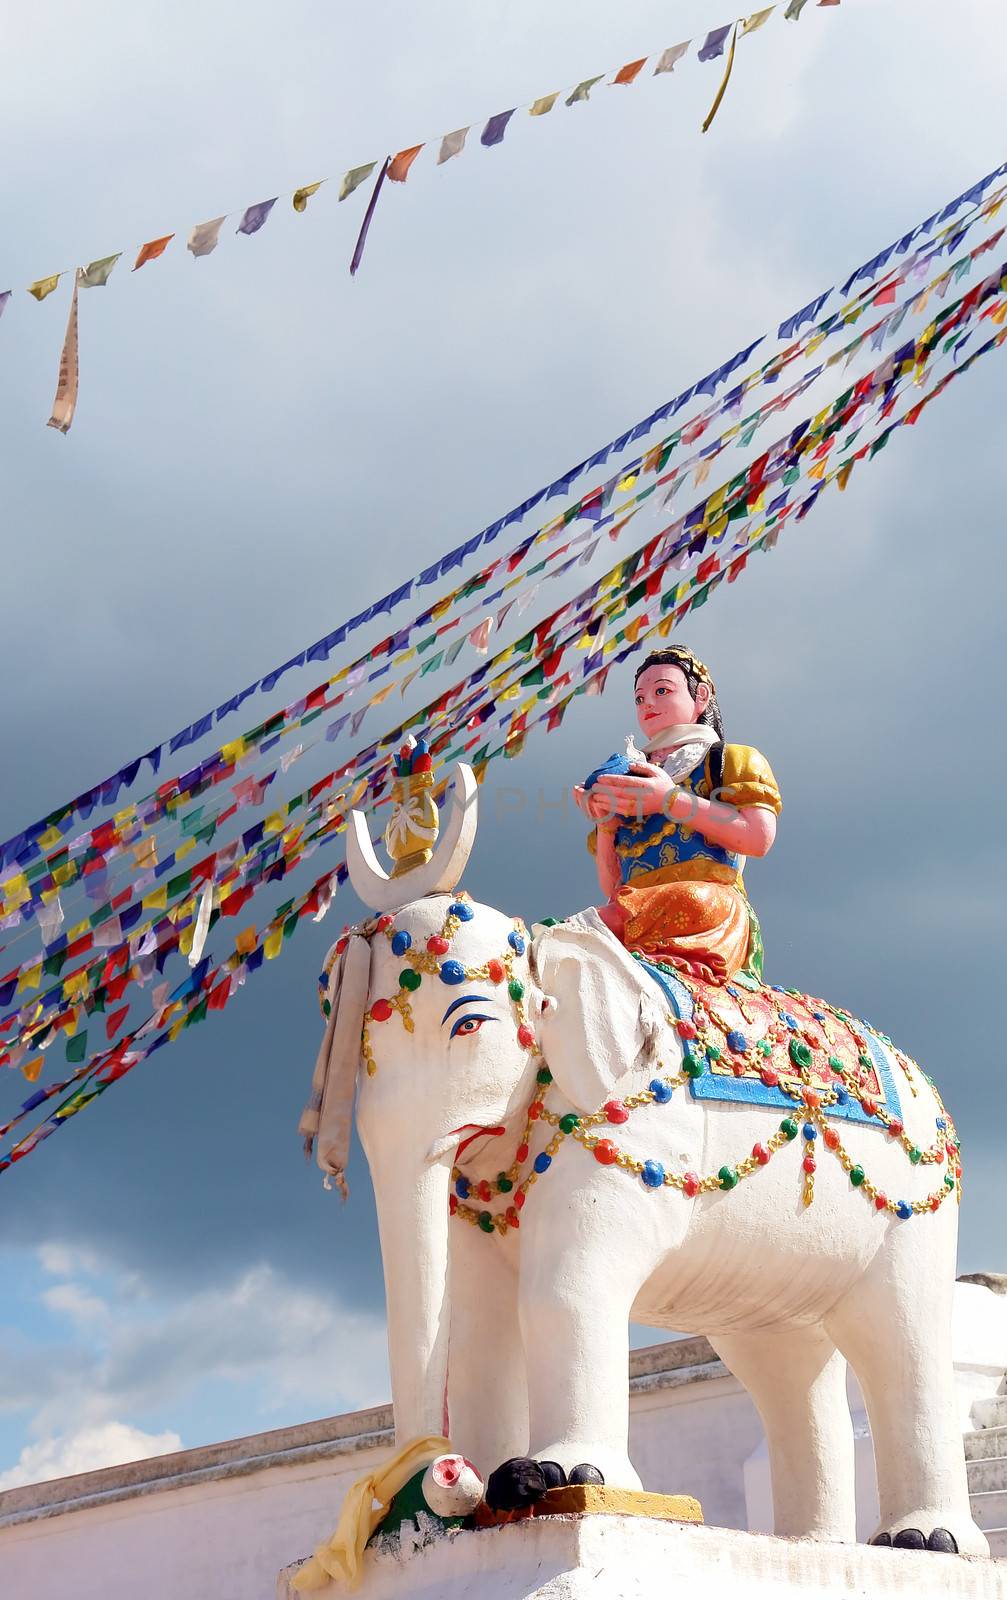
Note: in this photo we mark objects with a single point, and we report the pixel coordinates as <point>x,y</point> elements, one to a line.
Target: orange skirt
<point>701,928</point>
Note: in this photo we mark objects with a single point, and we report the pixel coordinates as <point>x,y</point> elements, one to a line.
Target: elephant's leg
<point>575,1299</point>
<point>797,1380</point>
<point>487,1390</point>
<point>895,1330</point>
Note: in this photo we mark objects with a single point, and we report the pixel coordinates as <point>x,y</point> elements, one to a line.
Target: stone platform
<point>613,1557</point>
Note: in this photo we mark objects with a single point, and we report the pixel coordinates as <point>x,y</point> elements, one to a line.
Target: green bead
<point>713,1051</point>
<point>728,1177</point>
<point>569,1122</point>
<point>800,1054</point>
<point>856,1176</point>
<point>516,989</point>
<point>410,979</point>
<point>864,1059</point>
<point>949,1181</point>
<point>549,922</point>
<point>788,1127</point>
<point>835,1064</point>
<point>915,1156</point>
<point>485,1222</point>
<point>764,1047</point>
<point>326,1007</point>
<point>504,1184</point>
<point>543,1076</point>
<point>693,1067</point>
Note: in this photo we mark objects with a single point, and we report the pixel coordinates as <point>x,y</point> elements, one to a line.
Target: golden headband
<point>689,661</point>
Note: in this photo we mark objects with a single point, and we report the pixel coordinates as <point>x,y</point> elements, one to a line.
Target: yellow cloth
<point>340,1557</point>
<point>748,779</point>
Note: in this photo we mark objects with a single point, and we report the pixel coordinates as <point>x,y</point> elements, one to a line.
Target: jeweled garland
<point>706,1039</point>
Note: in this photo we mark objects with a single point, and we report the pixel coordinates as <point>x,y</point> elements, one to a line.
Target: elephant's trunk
<point>413,1222</point>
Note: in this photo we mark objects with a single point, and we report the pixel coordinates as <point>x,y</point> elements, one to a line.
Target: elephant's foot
<point>522,1481</point>
<point>919,1532</point>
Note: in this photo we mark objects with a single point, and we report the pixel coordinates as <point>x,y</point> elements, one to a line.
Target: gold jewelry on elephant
<point>413,826</point>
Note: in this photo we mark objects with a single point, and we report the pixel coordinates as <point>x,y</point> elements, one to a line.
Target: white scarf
<point>684,746</point>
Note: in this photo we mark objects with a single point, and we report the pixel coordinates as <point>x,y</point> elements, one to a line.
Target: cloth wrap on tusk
<point>340,1558</point>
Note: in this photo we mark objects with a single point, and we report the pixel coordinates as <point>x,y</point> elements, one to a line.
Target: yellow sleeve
<point>748,779</point>
<point>592,841</point>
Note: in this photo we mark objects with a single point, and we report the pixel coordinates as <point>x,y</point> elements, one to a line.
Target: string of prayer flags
<point>151,250</point>
<point>26,844</point>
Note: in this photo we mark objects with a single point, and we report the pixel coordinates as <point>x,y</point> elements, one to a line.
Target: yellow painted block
<point>598,1497</point>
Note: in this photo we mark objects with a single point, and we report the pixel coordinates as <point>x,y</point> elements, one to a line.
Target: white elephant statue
<point>487,1064</point>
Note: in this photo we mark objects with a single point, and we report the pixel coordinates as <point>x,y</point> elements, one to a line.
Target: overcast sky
<point>262,446</point>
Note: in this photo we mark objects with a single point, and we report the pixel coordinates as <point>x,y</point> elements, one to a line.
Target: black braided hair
<point>679,656</point>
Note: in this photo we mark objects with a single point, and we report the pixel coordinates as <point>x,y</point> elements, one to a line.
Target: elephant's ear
<point>606,1014</point>
<point>327,1119</point>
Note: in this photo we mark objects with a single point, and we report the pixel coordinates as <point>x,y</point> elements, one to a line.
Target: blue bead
<point>652,1174</point>
<point>452,972</point>
<point>516,943</point>
<point>323,980</point>
<point>941,1123</point>
<point>543,1162</point>
<point>737,1042</point>
<point>459,909</point>
<point>789,1020</point>
<point>778,988</point>
<point>842,1095</point>
<point>401,942</point>
<point>904,1210</point>
<point>463,1188</point>
<point>819,1016</point>
<point>661,1091</point>
<point>420,748</point>
<point>810,1131</point>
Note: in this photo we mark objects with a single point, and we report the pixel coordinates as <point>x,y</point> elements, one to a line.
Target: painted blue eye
<point>469,1025</point>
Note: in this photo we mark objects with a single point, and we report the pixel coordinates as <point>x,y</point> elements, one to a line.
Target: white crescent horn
<point>440,875</point>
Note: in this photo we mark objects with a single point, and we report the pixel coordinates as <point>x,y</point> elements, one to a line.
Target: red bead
<point>512,1217</point>
<point>808,1164</point>
<point>341,946</point>
<point>606,1152</point>
<point>496,971</point>
<point>935,1201</point>
<point>760,1153</point>
<point>870,1107</point>
<point>438,945</point>
<point>381,1010</point>
<point>385,923</point>
<point>894,1128</point>
<point>738,1068</point>
<point>685,1029</point>
<point>769,1077</point>
<point>452,1203</point>
<point>484,1191</point>
<point>812,1038</point>
<point>519,1199</point>
<point>811,1099</point>
<point>958,1172</point>
<point>831,1138</point>
<point>534,1111</point>
<point>690,1184</point>
<point>880,1202</point>
<point>522,1153</point>
<point>526,1036</point>
<point>615,1111</point>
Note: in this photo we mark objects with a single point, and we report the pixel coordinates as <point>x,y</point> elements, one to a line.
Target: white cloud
<point>70,1300</point>
<point>110,1444</point>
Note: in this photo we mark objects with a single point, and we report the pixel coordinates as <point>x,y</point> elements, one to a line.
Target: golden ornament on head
<point>413,826</point>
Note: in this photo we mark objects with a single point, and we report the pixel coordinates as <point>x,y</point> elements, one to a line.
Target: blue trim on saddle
<point>752,1091</point>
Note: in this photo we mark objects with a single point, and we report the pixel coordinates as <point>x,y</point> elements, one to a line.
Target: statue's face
<point>663,699</point>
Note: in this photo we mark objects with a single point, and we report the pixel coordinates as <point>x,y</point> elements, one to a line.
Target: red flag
<point>152,249</point>
<point>115,1021</point>
<point>631,71</point>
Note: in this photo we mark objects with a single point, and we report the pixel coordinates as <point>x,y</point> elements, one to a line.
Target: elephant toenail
<point>941,1539</point>
<point>553,1473</point>
<point>516,1483</point>
<point>585,1473</point>
<point>882,1539</point>
<point>909,1539</point>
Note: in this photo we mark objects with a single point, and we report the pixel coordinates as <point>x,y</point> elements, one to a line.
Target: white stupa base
<point>634,1558</point>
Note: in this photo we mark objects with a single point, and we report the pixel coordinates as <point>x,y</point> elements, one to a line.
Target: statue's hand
<point>647,791</point>
<point>600,811</point>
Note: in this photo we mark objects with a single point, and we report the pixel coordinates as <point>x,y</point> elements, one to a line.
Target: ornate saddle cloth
<point>767,1037</point>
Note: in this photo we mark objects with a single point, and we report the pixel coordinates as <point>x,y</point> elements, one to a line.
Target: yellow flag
<point>157,900</point>
<point>544,103</point>
<point>65,874</point>
<point>44,286</point>
<point>246,941</point>
<point>233,751</point>
<point>757,19</point>
<point>50,839</point>
<point>186,937</point>
<point>16,891</point>
<point>31,1069</point>
<point>30,979</point>
<point>184,848</point>
<point>274,940</point>
<point>302,196</point>
<point>274,822</point>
